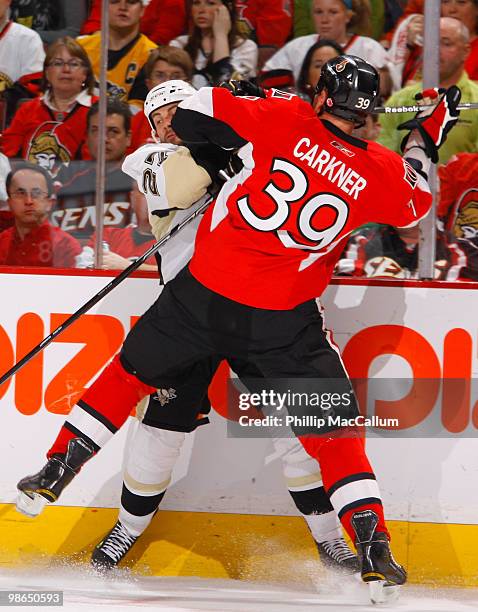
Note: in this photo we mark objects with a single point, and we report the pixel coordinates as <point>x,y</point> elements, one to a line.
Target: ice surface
<point>125,591</point>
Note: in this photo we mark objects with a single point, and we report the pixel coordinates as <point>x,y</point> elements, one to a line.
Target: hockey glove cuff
<point>432,124</point>
<point>416,156</point>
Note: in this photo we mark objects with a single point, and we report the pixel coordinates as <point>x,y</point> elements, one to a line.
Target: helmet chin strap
<point>359,124</point>
<point>155,137</point>
<point>355,122</point>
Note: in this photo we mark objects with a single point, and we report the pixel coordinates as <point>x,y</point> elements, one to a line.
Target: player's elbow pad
<point>186,182</point>
<point>183,182</point>
<point>161,225</point>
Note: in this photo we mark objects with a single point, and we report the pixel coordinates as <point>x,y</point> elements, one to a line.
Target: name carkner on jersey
<point>331,168</point>
<point>294,203</point>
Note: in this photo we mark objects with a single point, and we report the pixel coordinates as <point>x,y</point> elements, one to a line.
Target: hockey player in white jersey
<point>156,445</point>
<point>167,420</point>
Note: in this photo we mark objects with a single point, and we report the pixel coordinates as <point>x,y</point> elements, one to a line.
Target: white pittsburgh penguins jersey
<point>170,180</point>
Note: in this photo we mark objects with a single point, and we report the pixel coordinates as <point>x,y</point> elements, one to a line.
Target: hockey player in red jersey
<point>268,247</point>
<point>155,446</point>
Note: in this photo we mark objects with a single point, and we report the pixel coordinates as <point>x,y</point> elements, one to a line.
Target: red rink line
<point>71,272</point>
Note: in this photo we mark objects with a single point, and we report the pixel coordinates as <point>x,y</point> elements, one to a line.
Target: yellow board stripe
<point>249,547</point>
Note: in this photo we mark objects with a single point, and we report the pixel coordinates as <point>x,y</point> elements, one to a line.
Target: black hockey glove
<point>234,166</point>
<point>432,124</point>
<point>243,88</point>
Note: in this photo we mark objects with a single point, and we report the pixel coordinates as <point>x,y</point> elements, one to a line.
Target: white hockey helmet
<point>164,94</point>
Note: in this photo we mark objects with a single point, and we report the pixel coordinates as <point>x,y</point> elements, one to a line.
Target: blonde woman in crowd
<point>336,20</point>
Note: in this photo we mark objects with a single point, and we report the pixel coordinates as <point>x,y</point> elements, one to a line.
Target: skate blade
<point>30,504</point>
<point>382,592</point>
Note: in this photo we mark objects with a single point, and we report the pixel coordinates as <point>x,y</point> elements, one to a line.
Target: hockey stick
<point>413,108</point>
<point>107,289</point>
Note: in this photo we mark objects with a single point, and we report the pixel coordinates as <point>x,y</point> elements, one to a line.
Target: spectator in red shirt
<point>33,241</point>
<point>163,20</point>
<point>164,64</point>
<point>51,130</point>
<point>458,213</point>
<point>93,23</point>
<point>161,30</point>
<point>121,246</point>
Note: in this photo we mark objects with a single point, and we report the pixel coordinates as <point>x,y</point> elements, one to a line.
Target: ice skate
<point>337,556</point>
<point>378,567</point>
<point>46,486</point>
<point>112,548</point>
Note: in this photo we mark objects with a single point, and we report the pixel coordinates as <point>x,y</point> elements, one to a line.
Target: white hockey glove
<point>429,127</point>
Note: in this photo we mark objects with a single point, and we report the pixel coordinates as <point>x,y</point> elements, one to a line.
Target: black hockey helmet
<point>352,86</point>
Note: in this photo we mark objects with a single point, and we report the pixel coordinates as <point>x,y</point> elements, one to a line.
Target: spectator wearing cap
<point>33,241</point>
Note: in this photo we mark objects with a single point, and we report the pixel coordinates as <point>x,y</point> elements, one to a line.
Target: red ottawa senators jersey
<point>276,230</point>
<point>45,137</point>
<point>458,209</point>
<point>459,194</point>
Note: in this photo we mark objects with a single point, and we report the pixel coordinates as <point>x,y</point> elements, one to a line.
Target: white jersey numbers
<point>283,199</point>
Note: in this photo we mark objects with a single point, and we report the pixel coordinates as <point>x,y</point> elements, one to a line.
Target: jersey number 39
<point>283,200</point>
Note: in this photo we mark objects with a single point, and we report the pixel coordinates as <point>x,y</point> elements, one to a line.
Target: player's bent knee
<point>153,455</point>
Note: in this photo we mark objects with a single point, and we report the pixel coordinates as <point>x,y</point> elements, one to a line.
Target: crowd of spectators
<point>49,72</point>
